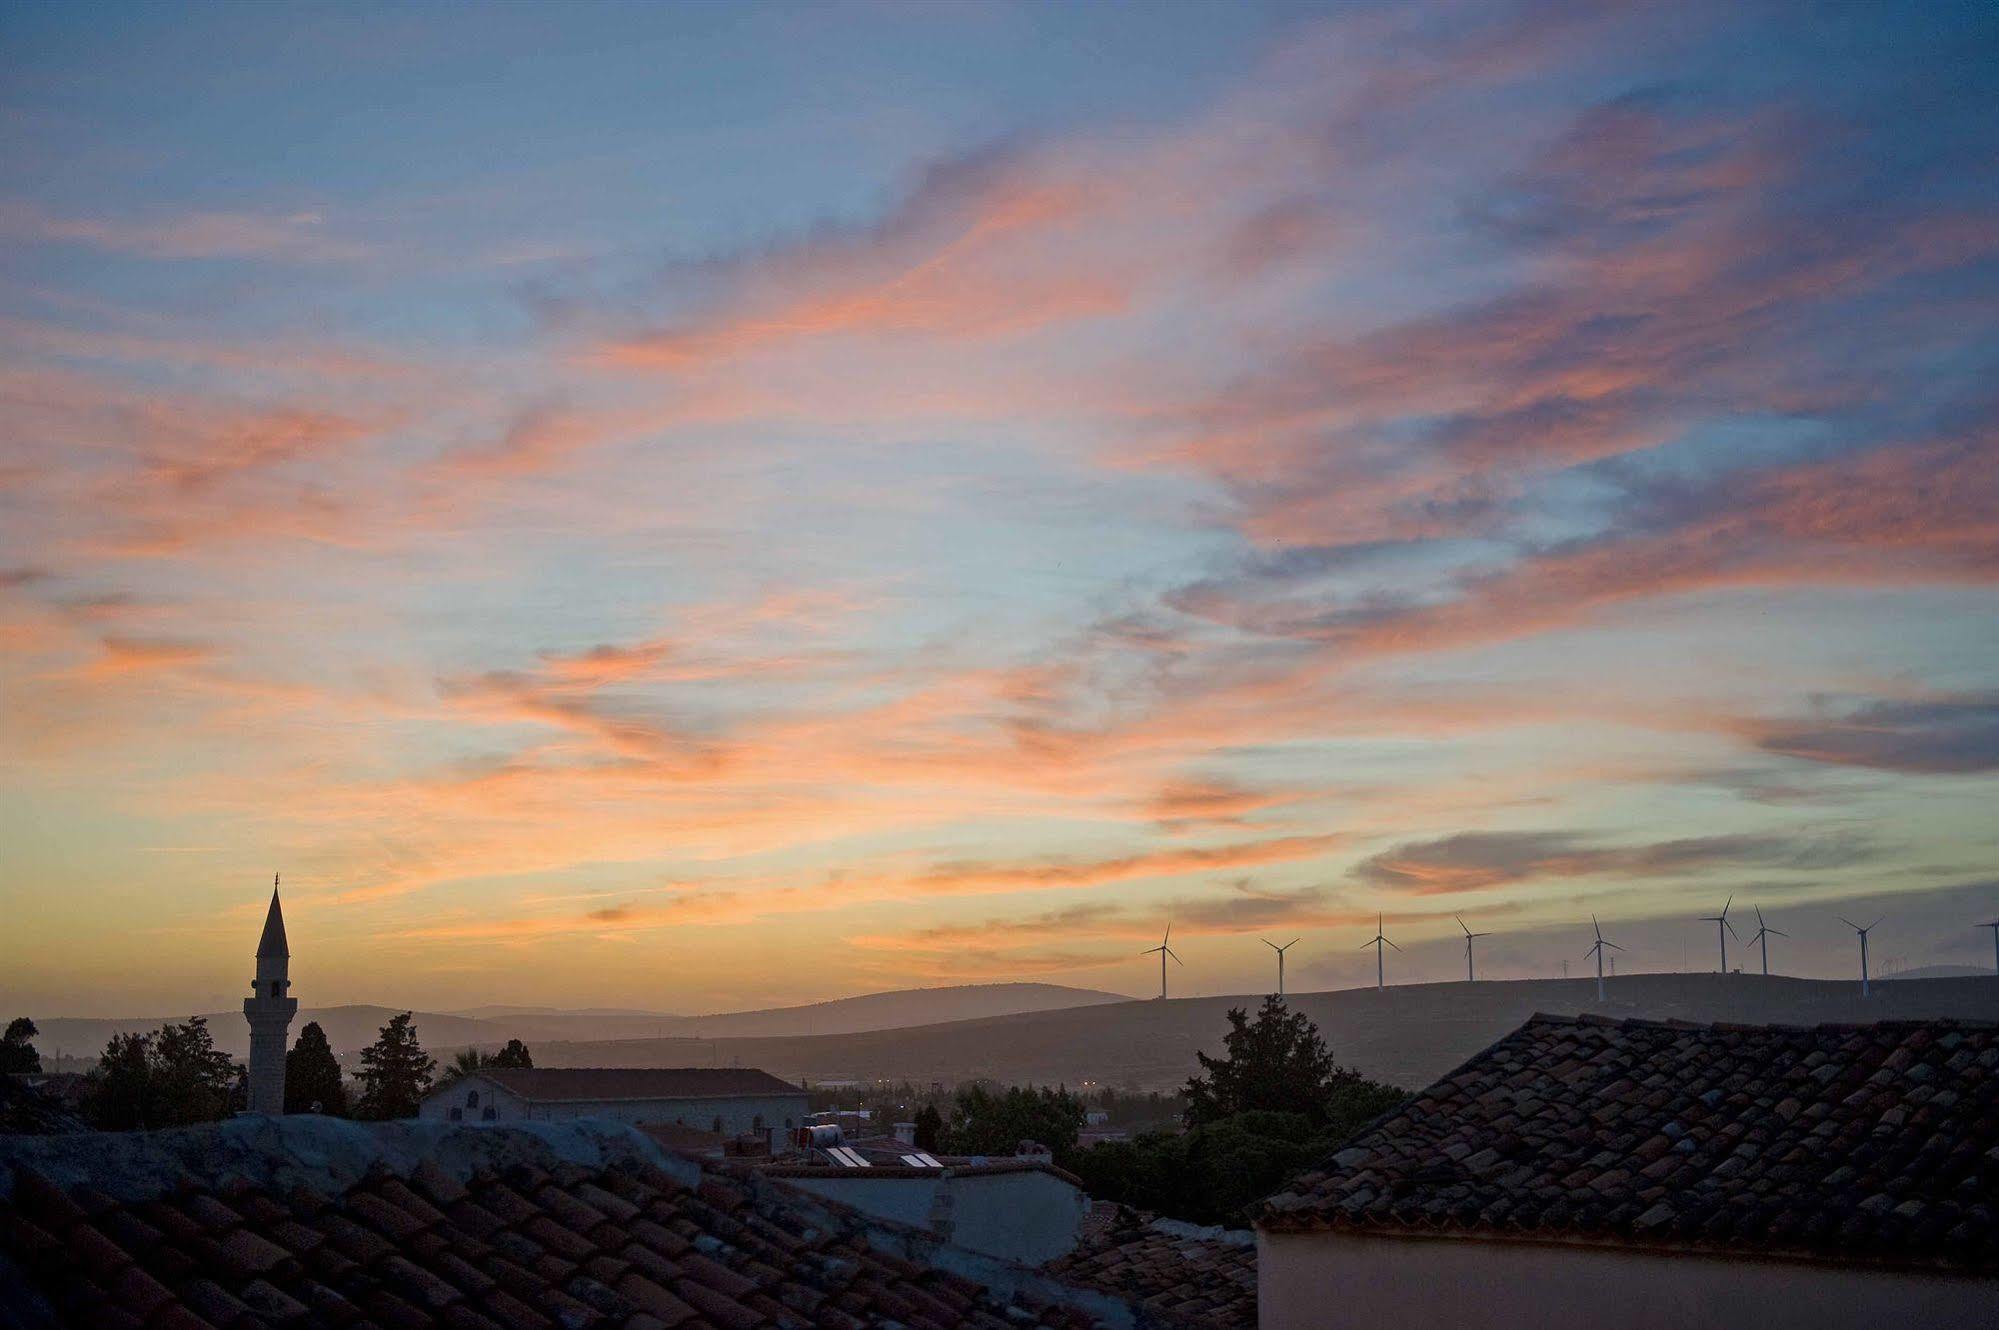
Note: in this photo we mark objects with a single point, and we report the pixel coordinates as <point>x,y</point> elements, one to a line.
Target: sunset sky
<point>708,507</point>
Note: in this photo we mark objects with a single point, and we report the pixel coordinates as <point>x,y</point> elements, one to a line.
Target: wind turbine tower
<point>1164,951</point>
<point>1379,940</point>
<point>1863,947</point>
<point>1762,935</point>
<point>1994,926</point>
<point>1722,929</point>
<point>1469,935</point>
<point>1598,952</point>
<point>1280,958</point>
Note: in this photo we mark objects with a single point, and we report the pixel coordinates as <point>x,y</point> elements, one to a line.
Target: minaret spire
<point>272,941</point>
<point>269,1009</point>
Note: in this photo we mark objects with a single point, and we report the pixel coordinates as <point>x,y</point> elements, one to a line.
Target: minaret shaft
<point>269,1009</point>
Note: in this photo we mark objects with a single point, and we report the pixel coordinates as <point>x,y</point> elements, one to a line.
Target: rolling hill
<point>1408,1035</point>
<point>350,1028</point>
<point>347,1029</point>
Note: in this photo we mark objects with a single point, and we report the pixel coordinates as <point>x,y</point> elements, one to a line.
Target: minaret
<point>269,1009</point>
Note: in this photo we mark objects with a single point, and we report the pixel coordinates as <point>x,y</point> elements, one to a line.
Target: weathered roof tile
<point>1875,1142</point>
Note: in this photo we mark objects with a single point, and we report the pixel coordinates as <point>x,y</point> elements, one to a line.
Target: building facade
<point>729,1101</point>
<point>1018,1210</point>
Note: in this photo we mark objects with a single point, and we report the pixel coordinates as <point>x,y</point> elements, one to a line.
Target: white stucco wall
<point>1313,1280</point>
<point>1030,1216</point>
<point>737,1115</point>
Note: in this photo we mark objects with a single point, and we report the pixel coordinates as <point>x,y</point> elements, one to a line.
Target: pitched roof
<point>1850,1143</point>
<point>273,943</point>
<point>535,1244</point>
<point>1188,1275</point>
<point>573,1084</point>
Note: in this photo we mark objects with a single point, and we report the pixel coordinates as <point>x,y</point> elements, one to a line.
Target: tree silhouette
<point>313,1083</point>
<point>17,1049</point>
<point>169,1078</point>
<point>119,1096</point>
<point>515,1054</point>
<point>984,1123</point>
<point>395,1073</point>
<point>464,1063</point>
<point>929,1127</point>
<point>1276,1064</point>
<point>192,1078</point>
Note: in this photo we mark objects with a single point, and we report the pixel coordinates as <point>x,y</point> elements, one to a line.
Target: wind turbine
<point>1164,951</point>
<point>1280,958</point>
<point>1763,934</point>
<point>1722,929</point>
<point>1377,941</point>
<point>1863,947</point>
<point>1469,935</point>
<point>1598,952</point>
<point>1994,926</point>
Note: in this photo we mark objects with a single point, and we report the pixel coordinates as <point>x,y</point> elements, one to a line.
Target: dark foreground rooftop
<point>1853,1143</point>
<point>311,1222</point>
<point>1191,1276</point>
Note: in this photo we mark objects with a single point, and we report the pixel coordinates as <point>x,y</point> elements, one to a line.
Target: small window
<point>276,989</point>
<point>757,1123</point>
<point>490,1114</point>
<point>458,1115</point>
<point>718,1126</point>
<point>787,1124</point>
<point>471,1099</point>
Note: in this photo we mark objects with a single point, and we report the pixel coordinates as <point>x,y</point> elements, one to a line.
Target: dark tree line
<point>172,1077</point>
<point>175,1076</point>
<point>1273,1104</point>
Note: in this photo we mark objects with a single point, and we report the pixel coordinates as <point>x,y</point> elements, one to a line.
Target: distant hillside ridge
<point>1408,1034</point>
<point>898,1009</point>
<point>351,1028</point>
<point>348,1029</point>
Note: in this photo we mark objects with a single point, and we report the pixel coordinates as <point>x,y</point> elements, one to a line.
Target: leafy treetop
<point>17,1049</point>
<point>395,1072</point>
<point>313,1081</point>
<point>985,1123</point>
<point>1275,1064</point>
<point>170,1078</point>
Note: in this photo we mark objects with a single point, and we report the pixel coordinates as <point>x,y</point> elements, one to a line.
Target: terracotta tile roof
<point>559,1084</point>
<point>525,1247</point>
<point>1190,1276</point>
<point>1859,1143</point>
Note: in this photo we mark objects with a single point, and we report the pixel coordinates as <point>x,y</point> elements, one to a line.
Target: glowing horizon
<point>630,508</point>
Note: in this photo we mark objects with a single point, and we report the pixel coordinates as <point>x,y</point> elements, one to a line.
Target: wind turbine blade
<point>1461,923</point>
<point>1268,943</point>
<point>1848,922</point>
<point>1731,930</point>
<point>1293,942</point>
<point>1391,944</point>
<point>1364,946</point>
<point>1169,933</point>
<point>1876,924</point>
<point>1176,957</point>
<point>1613,946</point>
<point>1725,904</point>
